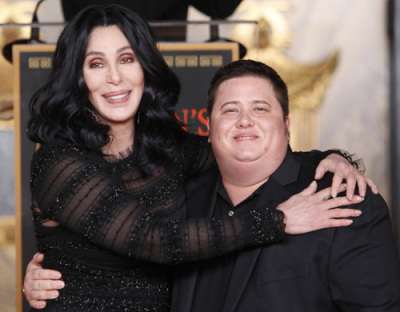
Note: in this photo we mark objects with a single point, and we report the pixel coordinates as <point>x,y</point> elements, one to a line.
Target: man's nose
<point>245,120</point>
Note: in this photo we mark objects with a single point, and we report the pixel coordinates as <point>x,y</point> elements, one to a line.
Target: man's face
<point>247,123</point>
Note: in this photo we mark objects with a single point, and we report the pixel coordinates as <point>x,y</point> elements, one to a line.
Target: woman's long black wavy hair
<point>59,110</point>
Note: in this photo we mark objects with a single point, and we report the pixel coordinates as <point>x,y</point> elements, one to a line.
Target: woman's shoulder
<point>198,155</point>
<point>59,146</point>
<point>57,156</point>
<point>195,145</point>
<point>196,140</point>
<point>57,149</point>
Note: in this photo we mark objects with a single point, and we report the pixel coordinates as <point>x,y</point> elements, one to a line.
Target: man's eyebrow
<point>260,101</point>
<point>229,102</point>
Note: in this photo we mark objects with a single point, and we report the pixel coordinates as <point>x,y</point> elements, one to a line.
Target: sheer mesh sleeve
<point>318,155</point>
<point>79,191</point>
<point>198,154</point>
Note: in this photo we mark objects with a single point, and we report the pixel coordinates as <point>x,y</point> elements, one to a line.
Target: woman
<point>107,181</point>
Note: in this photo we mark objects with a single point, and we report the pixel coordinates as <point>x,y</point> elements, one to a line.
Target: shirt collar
<point>288,171</point>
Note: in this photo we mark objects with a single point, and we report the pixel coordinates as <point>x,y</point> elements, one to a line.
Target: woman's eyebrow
<point>102,54</point>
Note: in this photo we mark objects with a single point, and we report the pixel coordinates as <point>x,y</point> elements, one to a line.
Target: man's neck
<point>240,182</point>
<point>237,194</point>
<point>242,178</point>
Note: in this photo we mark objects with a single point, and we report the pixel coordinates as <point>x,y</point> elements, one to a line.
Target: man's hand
<point>309,211</point>
<point>343,170</point>
<point>40,284</point>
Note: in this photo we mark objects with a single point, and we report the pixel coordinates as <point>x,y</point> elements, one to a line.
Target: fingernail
<point>334,194</point>
<point>60,285</point>
<point>359,198</point>
<point>349,221</point>
<point>358,212</point>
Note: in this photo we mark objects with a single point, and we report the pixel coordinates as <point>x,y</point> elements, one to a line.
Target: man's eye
<point>261,109</point>
<point>230,110</point>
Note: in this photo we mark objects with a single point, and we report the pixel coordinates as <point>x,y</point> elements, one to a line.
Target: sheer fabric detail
<point>109,202</point>
<point>114,206</point>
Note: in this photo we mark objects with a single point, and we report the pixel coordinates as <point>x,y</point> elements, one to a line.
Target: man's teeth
<point>117,97</point>
<point>246,138</point>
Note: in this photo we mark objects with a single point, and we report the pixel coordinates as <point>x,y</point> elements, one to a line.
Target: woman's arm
<point>40,284</point>
<point>343,171</point>
<point>199,156</point>
<point>304,212</point>
<point>344,168</point>
<point>77,190</point>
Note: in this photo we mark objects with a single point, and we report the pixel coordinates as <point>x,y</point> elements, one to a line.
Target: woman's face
<point>113,75</point>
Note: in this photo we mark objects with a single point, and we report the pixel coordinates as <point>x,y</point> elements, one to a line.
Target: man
<point>353,268</point>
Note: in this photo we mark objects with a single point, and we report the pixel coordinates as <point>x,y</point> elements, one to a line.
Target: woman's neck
<point>121,139</point>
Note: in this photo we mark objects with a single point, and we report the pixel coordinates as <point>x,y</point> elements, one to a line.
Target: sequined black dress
<point>118,231</point>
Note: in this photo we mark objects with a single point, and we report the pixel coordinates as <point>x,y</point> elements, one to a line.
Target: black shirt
<point>214,275</point>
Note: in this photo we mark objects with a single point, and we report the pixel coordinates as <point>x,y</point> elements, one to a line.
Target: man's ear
<point>287,122</point>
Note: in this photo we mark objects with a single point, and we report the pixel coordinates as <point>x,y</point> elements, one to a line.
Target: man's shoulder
<point>206,178</point>
<point>307,163</point>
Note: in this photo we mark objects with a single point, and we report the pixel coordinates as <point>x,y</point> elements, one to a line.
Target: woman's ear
<point>208,127</point>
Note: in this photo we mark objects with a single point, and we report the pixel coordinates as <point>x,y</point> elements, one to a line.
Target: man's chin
<point>247,158</point>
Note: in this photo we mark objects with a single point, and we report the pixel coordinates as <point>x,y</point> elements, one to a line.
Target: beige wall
<point>354,113</point>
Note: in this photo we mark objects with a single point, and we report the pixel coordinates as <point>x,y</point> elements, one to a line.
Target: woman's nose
<point>114,76</point>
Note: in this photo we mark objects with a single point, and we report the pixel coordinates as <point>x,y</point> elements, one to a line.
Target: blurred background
<point>339,58</point>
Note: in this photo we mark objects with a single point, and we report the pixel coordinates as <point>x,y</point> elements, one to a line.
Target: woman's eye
<point>95,65</point>
<point>126,60</point>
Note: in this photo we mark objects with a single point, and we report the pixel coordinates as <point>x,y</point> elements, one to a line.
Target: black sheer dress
<point>114,232</point>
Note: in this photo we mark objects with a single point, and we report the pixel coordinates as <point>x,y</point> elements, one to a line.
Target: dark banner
<point>193,63</point>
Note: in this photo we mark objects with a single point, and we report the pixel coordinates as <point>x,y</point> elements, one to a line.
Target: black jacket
<point>355,268</point>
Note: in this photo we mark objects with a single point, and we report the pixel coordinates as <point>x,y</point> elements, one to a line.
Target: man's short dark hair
<point>244,68</point>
